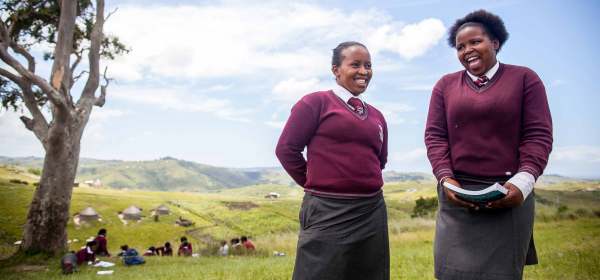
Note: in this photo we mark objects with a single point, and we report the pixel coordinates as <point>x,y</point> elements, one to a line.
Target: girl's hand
<point>452,197</point>
<point>513,198</point>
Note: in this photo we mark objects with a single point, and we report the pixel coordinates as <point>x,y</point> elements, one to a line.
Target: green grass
<point>568,242</point>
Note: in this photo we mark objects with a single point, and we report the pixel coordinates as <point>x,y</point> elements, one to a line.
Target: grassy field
<point>567,231</point>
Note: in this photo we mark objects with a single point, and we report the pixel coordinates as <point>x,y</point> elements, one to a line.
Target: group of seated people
<point>236,245</point>
<point>99,248</point>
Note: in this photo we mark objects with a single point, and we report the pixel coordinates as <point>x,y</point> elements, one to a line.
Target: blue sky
<point>213,81</point>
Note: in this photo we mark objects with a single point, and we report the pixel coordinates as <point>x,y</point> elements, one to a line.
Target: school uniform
<point>343,220</point>
<point>498,132</point>
<point>85,255</point>
<point>101,249</point>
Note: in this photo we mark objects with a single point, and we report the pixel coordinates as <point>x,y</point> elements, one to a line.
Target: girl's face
<point>354,72</point>
<point>475,50</point>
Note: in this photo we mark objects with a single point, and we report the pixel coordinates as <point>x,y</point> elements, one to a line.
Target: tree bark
<point>45,230</point>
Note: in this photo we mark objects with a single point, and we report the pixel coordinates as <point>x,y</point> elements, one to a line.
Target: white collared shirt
<point>490,73</point>
<point>345,94</point>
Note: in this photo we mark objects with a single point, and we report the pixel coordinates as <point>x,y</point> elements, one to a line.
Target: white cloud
<point>291,90</point>
<point>231,39</point>
<point>276,124</point>
<point>580,154</point>
<point>410,40</point>
<point>392,111</point>
<point>15,138</point>
<point>181,100</point>
<point>101,114</point>
<point>416,155</point>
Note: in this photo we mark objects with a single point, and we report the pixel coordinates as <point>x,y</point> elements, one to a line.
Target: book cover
<point>491,193</point>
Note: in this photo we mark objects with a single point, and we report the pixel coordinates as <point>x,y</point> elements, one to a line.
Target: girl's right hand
<point>452,197</point>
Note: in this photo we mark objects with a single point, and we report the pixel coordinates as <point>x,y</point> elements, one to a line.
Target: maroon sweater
<point>497,130</point>
<point>346,152</point>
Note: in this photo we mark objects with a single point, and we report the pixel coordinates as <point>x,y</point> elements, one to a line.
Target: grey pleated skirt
<point>342,239</point>
<point>484,244</point>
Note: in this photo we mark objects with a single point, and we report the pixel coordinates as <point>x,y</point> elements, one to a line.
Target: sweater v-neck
<point>488,85</point>
<point>347,106</point>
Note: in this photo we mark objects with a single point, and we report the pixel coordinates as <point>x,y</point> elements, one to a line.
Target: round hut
<point>88,214</point>
<point>162,210</point>
<point>132,213</point>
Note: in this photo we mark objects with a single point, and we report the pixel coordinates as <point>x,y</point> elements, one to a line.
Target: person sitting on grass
<point>248,244</point>
<point>86,254</point>
<point>151,251</point>
<point>236,244</point>
<point>185,248</point>
<point>131,256</point>
<point>167,249</point>
<point>68,263</point>
<point>102,248</point>
<point>224,249</point>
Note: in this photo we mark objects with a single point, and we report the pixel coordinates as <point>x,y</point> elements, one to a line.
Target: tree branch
<point>75,78</point>
<point>53,95</point>
<point>87,99</point>
<point>4,33</point>
<point>22,51</point>
<point>111,13</point>
<point>60,78</point>
<point>38,125</point>
<point>102,98</point>
<point>14,78</point>
<point>40,130</point>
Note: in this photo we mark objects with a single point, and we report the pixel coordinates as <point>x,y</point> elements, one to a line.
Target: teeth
<point>472,58</point>
<point>361,81</point>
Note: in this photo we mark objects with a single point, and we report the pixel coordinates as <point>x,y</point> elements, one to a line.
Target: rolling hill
<point>171,174</point>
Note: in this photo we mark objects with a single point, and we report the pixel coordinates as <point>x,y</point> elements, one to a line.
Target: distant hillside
<point>165,174</point>
<point>171,174</point>
<point>393,176</point>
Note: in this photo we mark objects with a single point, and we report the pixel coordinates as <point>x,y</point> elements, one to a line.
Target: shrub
<point>424,207</point>
<point>17,181</point>
<point>561,209</point>
<point>35,171</point>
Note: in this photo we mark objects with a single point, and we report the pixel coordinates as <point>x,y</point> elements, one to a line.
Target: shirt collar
<point>490,73</point>
<point>344,94</point>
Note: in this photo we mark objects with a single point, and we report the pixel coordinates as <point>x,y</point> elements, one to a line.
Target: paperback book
<point>491,193</point>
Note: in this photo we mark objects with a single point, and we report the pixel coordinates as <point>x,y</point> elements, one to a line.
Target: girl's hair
<point>491,24</point>
<point>336,58</point>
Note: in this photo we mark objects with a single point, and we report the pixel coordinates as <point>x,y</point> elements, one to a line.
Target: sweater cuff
<point>528,169</point>
<point>443,173</point>
<point>524,181</point>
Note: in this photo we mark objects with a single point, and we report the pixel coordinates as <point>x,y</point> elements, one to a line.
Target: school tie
<point>482,80</point>
<point>356,105</point>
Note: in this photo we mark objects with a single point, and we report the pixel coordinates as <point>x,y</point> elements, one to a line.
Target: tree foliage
<point>68,30</point>
<point>35,23</point>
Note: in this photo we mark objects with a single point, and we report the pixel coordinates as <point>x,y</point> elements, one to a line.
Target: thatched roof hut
<point>162,210</point>
<point>132,213</point>
<point>88,214</point>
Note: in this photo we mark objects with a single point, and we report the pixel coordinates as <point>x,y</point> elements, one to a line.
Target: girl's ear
<point>335,70</point>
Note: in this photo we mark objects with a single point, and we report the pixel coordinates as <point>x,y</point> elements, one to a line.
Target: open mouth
<point>473,61</point>
<point>361,81</point>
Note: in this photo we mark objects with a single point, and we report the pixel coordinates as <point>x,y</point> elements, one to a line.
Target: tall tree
<point>72,28</point>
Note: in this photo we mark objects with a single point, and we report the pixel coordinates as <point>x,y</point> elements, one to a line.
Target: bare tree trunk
<point>45,229</point>
<point>49,210</point>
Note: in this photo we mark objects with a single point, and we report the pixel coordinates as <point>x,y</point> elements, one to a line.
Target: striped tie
<point>482,80</point>
<point>356,105</point>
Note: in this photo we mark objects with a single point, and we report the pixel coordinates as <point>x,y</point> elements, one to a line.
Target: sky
<point>214,81</point>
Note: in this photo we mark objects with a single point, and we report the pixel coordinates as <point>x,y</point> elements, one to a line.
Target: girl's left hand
<point>513,198</point>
